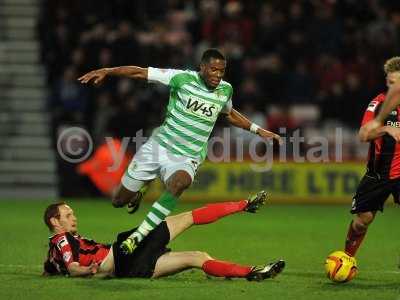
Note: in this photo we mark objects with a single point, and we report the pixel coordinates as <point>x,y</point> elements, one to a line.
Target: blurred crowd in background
<point>312,65</point>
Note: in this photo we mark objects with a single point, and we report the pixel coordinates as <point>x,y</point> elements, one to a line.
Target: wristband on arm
<point>254,127</point>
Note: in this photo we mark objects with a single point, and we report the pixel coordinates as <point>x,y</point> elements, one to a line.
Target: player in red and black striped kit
<point>70,254</point>
<point>383,169</point>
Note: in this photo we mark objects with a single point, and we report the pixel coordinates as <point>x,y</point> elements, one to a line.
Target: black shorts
<point>142,261</point>
<point>372,192</point>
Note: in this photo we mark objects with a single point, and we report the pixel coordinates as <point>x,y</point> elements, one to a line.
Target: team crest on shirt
<point>219,93</point>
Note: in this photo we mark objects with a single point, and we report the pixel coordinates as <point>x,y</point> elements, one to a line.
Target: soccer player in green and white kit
<point>179,146</point>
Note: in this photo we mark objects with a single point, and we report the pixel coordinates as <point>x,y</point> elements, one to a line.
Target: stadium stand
<point>27,165</point>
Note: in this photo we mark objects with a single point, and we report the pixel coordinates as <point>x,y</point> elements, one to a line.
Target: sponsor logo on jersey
<point>202,108</point>
<point>393,124</point>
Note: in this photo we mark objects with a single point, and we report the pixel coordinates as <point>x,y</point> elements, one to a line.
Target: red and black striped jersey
<point>66,248</point>
<point>384,152</point>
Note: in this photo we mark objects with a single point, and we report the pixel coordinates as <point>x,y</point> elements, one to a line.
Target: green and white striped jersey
<point>192,111</point>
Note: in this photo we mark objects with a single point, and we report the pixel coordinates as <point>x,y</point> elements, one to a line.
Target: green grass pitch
<point>302,235</point>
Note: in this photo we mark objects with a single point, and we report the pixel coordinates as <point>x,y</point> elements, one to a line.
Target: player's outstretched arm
<point>237,119</point>
<point>392,100</point>
<point>367,136</point>
<point>98,76</point>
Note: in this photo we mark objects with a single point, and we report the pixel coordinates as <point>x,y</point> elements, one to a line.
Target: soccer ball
<point>340,267</point>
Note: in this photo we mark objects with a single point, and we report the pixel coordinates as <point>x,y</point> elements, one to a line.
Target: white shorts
<point>153,160</point>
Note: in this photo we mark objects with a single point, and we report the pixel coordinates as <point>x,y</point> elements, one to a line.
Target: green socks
<point>158,212</point>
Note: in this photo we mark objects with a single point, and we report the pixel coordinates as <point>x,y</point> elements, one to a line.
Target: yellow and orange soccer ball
<point>340,267</point>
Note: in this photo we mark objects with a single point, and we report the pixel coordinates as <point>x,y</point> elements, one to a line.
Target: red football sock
<point>214,211</point>
<point>353,240</point>
<point>220,268</point>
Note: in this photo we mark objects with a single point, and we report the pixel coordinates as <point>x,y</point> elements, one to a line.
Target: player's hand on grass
<point>94,267</point>
<point>97,76</point>
<point>269,135</point>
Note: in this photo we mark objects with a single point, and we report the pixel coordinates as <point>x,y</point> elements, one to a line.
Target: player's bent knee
<point>187,218</point>
<point>178,187</point>
<point>206,256</point>
<point>178,182</point>
<point>119,200</point>
<point>361,225</point>
<point>201,257</point>
<point>116,201</point>
<point>365,218</point>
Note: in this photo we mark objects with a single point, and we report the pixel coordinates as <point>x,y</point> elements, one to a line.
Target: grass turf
<point>302,235</point>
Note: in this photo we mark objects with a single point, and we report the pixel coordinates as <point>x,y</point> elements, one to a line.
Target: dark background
<point>312,65</point>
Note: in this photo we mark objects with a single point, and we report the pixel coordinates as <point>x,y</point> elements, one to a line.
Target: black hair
<point>212,53</point>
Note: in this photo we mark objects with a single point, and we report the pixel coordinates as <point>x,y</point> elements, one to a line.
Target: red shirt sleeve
<point>372,108</point>
<point>64,248</point>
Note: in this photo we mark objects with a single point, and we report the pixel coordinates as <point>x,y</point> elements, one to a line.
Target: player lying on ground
<point>392,100</point>
<point>71,254</point>
<point>179,145</point>
<point>383,169</point>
